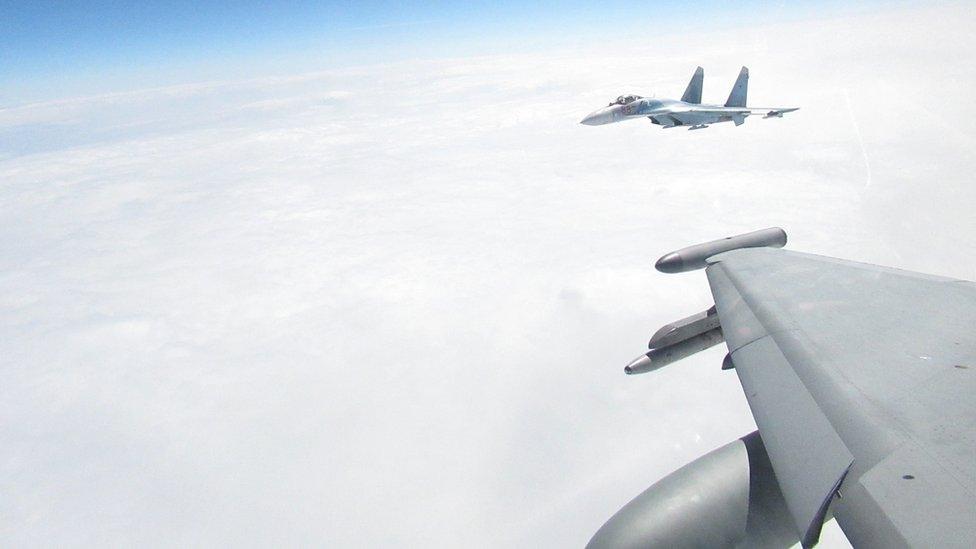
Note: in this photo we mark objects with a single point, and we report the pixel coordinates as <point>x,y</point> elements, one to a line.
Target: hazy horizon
<point>389,303</point>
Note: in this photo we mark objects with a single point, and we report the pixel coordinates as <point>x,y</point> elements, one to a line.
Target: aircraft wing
<point>862,380</point>
<point>770,112</point>
<point>742,110</point>
<point>766,112</point>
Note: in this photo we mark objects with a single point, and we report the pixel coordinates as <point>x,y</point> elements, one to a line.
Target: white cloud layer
<point>390,305</point>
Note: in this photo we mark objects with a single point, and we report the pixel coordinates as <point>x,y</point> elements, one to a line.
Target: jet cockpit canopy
<point>624,99</point>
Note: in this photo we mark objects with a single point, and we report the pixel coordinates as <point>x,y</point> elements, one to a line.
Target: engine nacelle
<point>726,498</point>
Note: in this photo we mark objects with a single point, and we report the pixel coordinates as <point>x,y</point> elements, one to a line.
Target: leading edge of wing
<point>808,455</point>
<point>739,110</point>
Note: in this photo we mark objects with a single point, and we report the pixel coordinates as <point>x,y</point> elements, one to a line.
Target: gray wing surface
<point>694,115</point>
<point>862,380</point>
<point>746,111</point>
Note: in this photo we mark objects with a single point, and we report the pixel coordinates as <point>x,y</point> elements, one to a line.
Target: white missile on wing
<point>693,257</point>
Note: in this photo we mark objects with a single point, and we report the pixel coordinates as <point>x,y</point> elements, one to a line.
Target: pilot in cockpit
<point>624,99</point>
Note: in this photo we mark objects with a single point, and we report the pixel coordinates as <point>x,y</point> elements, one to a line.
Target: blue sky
<point>57,49</point>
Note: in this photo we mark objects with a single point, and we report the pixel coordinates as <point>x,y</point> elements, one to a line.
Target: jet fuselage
<point>658,111</point>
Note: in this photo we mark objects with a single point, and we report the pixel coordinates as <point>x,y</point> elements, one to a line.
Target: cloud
<point>391,304</point>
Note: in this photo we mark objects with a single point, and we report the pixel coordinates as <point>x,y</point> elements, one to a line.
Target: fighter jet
<point>861,380</point>
<point>689,111</point>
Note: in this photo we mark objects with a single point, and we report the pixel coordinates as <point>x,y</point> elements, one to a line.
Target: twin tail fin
<point>737,98</point>
<point>693,92</point>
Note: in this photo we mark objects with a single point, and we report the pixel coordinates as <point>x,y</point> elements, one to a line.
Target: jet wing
<point>703,115</point>
<point>727,111</point>
<point>772,112</point>
<point>862,380</point>
<point>732,111</point>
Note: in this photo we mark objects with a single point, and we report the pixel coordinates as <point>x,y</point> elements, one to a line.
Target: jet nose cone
<point>591,119</point>
<point>597,118</point>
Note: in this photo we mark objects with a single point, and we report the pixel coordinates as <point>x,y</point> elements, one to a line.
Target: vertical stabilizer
<point>737,98</point>
<point>694,90</point>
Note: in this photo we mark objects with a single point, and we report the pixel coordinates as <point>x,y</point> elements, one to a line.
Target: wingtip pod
<point>694,257</point>
<point>670,263</point>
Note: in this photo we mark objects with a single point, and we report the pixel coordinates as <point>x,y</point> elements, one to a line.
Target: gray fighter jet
<point>689,111</point>
<point>861,380</point>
